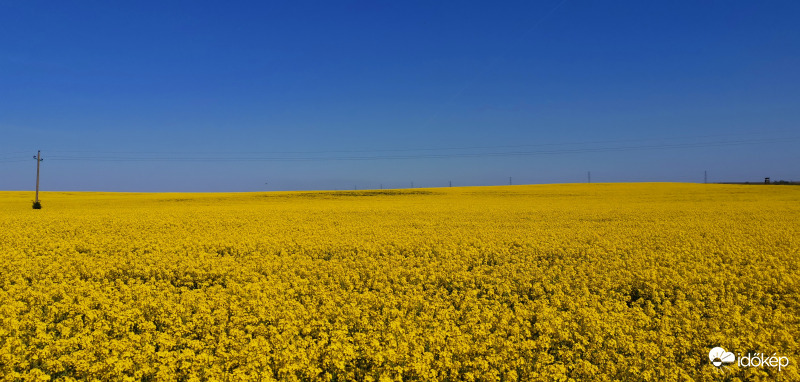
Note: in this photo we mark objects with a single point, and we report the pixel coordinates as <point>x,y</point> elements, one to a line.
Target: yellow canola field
<point>597,282</point>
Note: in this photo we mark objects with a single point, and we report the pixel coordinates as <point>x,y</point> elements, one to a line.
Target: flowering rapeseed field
<point>630,282</point>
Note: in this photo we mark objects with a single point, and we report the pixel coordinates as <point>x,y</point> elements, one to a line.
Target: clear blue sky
<point>228,96</point>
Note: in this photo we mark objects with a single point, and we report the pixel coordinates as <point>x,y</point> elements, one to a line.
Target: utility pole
<point>509,180</point>
<point>39,159</point>
<point>451,183</point>
<point>705,176</point>
<point>589,177</point>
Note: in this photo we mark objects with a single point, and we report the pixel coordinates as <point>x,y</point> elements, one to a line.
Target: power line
<point>11,160</point>
<point>398,154</point>
<point>269,157</point>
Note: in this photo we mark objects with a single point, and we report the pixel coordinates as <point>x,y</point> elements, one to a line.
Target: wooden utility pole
<point>39,159</point>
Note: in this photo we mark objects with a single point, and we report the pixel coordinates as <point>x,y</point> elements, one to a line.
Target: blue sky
<point>228,96</point>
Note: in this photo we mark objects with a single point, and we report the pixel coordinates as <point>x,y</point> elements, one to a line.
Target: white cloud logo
<point>718,356</point>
